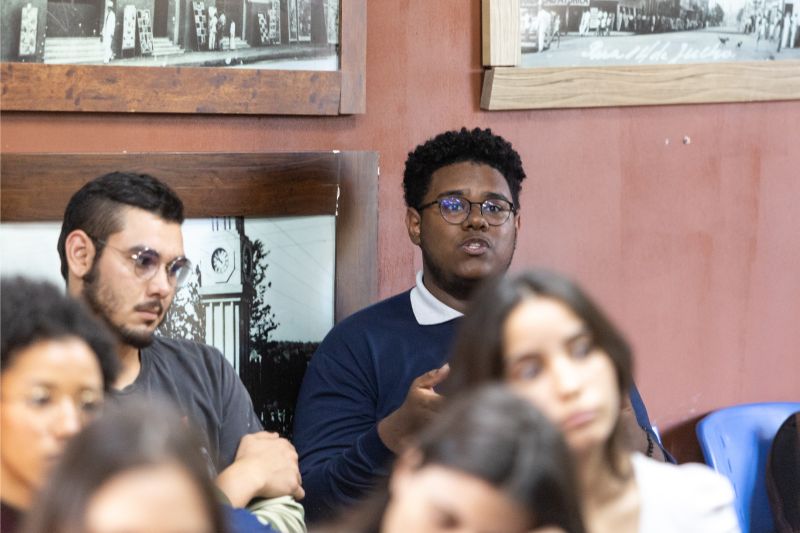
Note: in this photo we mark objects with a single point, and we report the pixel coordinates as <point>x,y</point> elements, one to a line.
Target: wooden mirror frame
<point>40,87</point>
<point>37,187</point>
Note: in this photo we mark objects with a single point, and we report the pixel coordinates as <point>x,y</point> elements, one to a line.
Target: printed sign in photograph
<point>27,30</point>
<point>332,21</point>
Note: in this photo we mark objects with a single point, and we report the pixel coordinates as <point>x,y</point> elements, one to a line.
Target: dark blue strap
<point>643,420</point>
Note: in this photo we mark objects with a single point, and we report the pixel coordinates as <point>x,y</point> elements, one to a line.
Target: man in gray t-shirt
<point>206,389</point>
<point>121,251</point>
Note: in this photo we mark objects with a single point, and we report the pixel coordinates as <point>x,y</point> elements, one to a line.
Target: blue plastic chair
<point>736,442</point>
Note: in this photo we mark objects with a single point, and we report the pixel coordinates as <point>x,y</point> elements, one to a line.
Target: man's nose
<point>475,217</point>
<point>160,283</point>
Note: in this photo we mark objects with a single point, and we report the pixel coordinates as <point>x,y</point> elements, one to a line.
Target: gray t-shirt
<point>205,388</point>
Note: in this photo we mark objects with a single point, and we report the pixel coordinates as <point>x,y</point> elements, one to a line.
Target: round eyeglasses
<point>456,209</point>
<point>146,262</point>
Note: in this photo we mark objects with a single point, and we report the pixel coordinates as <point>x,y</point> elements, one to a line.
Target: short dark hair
<point>477,145</point>
<point>493,435</point>
<point>478,351</point>
<point>127,436</point>
<point>38,311</point>
<point>501,438</point>
<point>95,208</point>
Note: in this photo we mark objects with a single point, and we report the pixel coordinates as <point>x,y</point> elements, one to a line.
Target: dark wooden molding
<point>211,90</point>
<point>356,258</point>
<point>37,187</point>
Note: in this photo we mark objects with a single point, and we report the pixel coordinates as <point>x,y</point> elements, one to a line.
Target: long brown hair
<point>478,354</point>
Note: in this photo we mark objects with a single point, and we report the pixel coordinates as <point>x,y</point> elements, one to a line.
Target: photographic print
<point>184,56</point>
<point>601,53</point>
<point>557,33</point>
<point>269,34</point>
<point>262,292</point>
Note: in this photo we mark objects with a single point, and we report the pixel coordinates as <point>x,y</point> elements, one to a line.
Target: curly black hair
<point>477,145</point>
<point>32,311</point>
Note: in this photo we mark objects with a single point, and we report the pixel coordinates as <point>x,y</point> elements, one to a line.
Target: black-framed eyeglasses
<point>146,262</point>
<point>456,209</point>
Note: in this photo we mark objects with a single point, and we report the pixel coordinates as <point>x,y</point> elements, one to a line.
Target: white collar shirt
<point>429,310</point>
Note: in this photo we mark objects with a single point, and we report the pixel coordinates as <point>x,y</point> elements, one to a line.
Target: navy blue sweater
<point>359,375</point>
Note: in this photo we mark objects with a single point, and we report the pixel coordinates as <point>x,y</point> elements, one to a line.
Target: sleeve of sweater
<point>335,430</point>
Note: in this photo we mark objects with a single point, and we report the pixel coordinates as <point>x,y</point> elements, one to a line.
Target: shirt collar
<point>428,310</point>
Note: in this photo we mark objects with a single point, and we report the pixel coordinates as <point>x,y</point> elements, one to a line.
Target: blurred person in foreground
<point>57,361</point>
<point>542,335</point>
<point>137,469</point>
<point>489,463</point>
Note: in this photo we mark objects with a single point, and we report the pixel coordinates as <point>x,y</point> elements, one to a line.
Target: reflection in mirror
<point>261,291</point>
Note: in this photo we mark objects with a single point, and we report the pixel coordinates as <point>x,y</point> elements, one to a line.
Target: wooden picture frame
<point>37,187</point>
<point>210,90</point>
<point>508,87</point>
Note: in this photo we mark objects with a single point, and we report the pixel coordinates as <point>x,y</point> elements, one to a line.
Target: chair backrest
<point>736,442</point>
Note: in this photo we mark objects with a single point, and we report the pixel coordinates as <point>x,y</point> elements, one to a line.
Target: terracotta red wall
<point>694,248</point>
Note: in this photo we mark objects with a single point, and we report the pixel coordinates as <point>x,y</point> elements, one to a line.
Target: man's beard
<point>455,286</point>
<point>102,301</point>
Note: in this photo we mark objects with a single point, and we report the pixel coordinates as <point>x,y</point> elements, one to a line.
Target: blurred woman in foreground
<point>538,332</point>
<point>57,361</point>
<point>134,470</point>
<point>491,463</point>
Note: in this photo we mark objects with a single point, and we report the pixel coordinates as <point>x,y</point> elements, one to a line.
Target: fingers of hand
<point>432,378</point>
<point>283,480</point>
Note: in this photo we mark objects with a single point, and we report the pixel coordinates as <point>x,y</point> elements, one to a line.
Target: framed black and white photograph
<point>267,285</point>
<point>187,56</point>
<point>197,33</point>
<point>586,53</point>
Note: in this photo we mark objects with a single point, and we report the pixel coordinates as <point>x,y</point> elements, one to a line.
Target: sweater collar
<point>428,310</point>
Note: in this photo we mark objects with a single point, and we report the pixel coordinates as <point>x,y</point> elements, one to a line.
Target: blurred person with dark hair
<point>783,476</point>
<point>121,250</point>
<point>489,462</point>
<point>57,361</point>
<point>137,469</point>
<point>372,382</point>
<point>542,335</point>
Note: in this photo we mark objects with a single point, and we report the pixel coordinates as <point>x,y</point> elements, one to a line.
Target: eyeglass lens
<point>455,210</point>
<point>147,262</point>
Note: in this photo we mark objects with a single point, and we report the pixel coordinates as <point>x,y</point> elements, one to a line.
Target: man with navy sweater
<point>372,381</point>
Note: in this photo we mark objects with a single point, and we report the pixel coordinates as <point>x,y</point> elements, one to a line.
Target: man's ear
<point>518,220</point>
<point>80,252</point>
<point>413,221</point>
